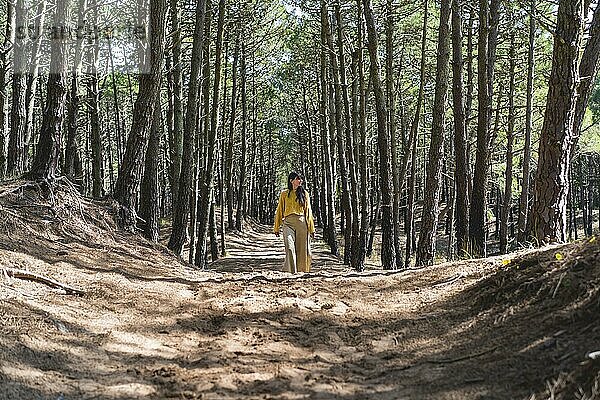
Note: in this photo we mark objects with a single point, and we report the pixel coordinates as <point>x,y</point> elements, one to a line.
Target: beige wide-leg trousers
<point>295,238</point>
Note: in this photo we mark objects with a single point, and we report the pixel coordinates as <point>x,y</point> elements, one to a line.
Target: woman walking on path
<point>294,217</point>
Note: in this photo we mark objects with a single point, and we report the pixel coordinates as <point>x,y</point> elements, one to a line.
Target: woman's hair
<point>300,193</point>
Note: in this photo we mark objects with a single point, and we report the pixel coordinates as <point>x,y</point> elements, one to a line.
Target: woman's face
<point>297,181</point>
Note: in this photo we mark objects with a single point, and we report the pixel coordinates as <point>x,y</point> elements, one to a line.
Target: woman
<point>294,217</point>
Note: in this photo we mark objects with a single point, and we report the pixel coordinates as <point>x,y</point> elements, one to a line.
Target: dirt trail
<point>150,327</point>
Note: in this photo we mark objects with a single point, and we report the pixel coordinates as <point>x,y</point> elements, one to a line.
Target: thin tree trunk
<point>328,184</point>
<point>206,188</point>
<point>388,251</point>
<point>342,125</point>
<point>231,141</point>
<point>5,53</point>
<point>477,217</point>
<point>16,156</point>
<point>243,172</point>
<point>524,197</point>
<point>149,207</point>
<point>361,247</point>
<point>203,131</point>
<point>508,176</point>
<point>429,219</point>
<point>410,153</point>
<point>93,98</point>
<point>185,184</point>
<point>460,139</point>
<point>176,145</point>
<point>117,108</point>
<point>391,99</point>
<point>73,166</point>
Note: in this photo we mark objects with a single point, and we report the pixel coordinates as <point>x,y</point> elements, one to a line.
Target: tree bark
<point>429,220</point>
<point>391,101</point>
<point>548,213</point>
<point>206,185</point>
<point>73,167</point>
<point>16,155</point>
<point>477,217</point>
<point>339,135</point>
<point>185,184</point>
<point>243,172</point>
<point>176,146</point>
<point>149,198</point>
<point>460,138</point>
<point>508,176</point>
<point>328,183</point>
<point>388,251</point>
<point>231,141</point>
<point>5,51</point>
<point>45,165</point>
<point>32,77</point>
<point>411,150</point>
<point>524,197</point>
<point>361,156</point>
<point>129,178</point>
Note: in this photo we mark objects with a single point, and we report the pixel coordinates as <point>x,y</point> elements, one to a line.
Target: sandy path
<point>150,328</point>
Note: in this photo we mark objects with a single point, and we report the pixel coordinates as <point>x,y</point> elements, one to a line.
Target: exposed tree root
<point>32,276</point>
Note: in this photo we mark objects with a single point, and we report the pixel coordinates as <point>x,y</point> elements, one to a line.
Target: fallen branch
<point>32,276</point>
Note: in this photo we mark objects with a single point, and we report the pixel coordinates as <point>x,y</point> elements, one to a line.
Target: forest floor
<point>522,326</point>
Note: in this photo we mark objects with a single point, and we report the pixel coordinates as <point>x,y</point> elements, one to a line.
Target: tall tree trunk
<point>548,213</point>
<point>361,247</point>
<point>45,164</point>
<point>178,124</point>
<point>32,77</point>
<point>339,134</point>
<point>73,167</point>
<point>524,197</point>
<point>16,156</point>
<point>4,67</point>
<point>388,251</point>
<point>460,138</point>
<point>353,219</point>
<point>328,183</point>
<point>221,149</point>
<point>93,99</point>
<point>202,136</point>
<point>242,180</point>
<point>206,188</point>
<point>429,219</point>
<point>231,141</point>
<point>117,109</point>
<point>341,129</point>
<point>149,207</point>
<point>391,102</point>
<point>477,217</point>
<point>411,151</point>
<point>129,178</point>
<point>185,184</point>
<point>508,176</point>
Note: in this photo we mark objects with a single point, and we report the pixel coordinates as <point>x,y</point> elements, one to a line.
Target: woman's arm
<point>279,213</point>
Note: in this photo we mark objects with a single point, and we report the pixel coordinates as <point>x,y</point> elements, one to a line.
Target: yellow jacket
<point>288,205</point>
